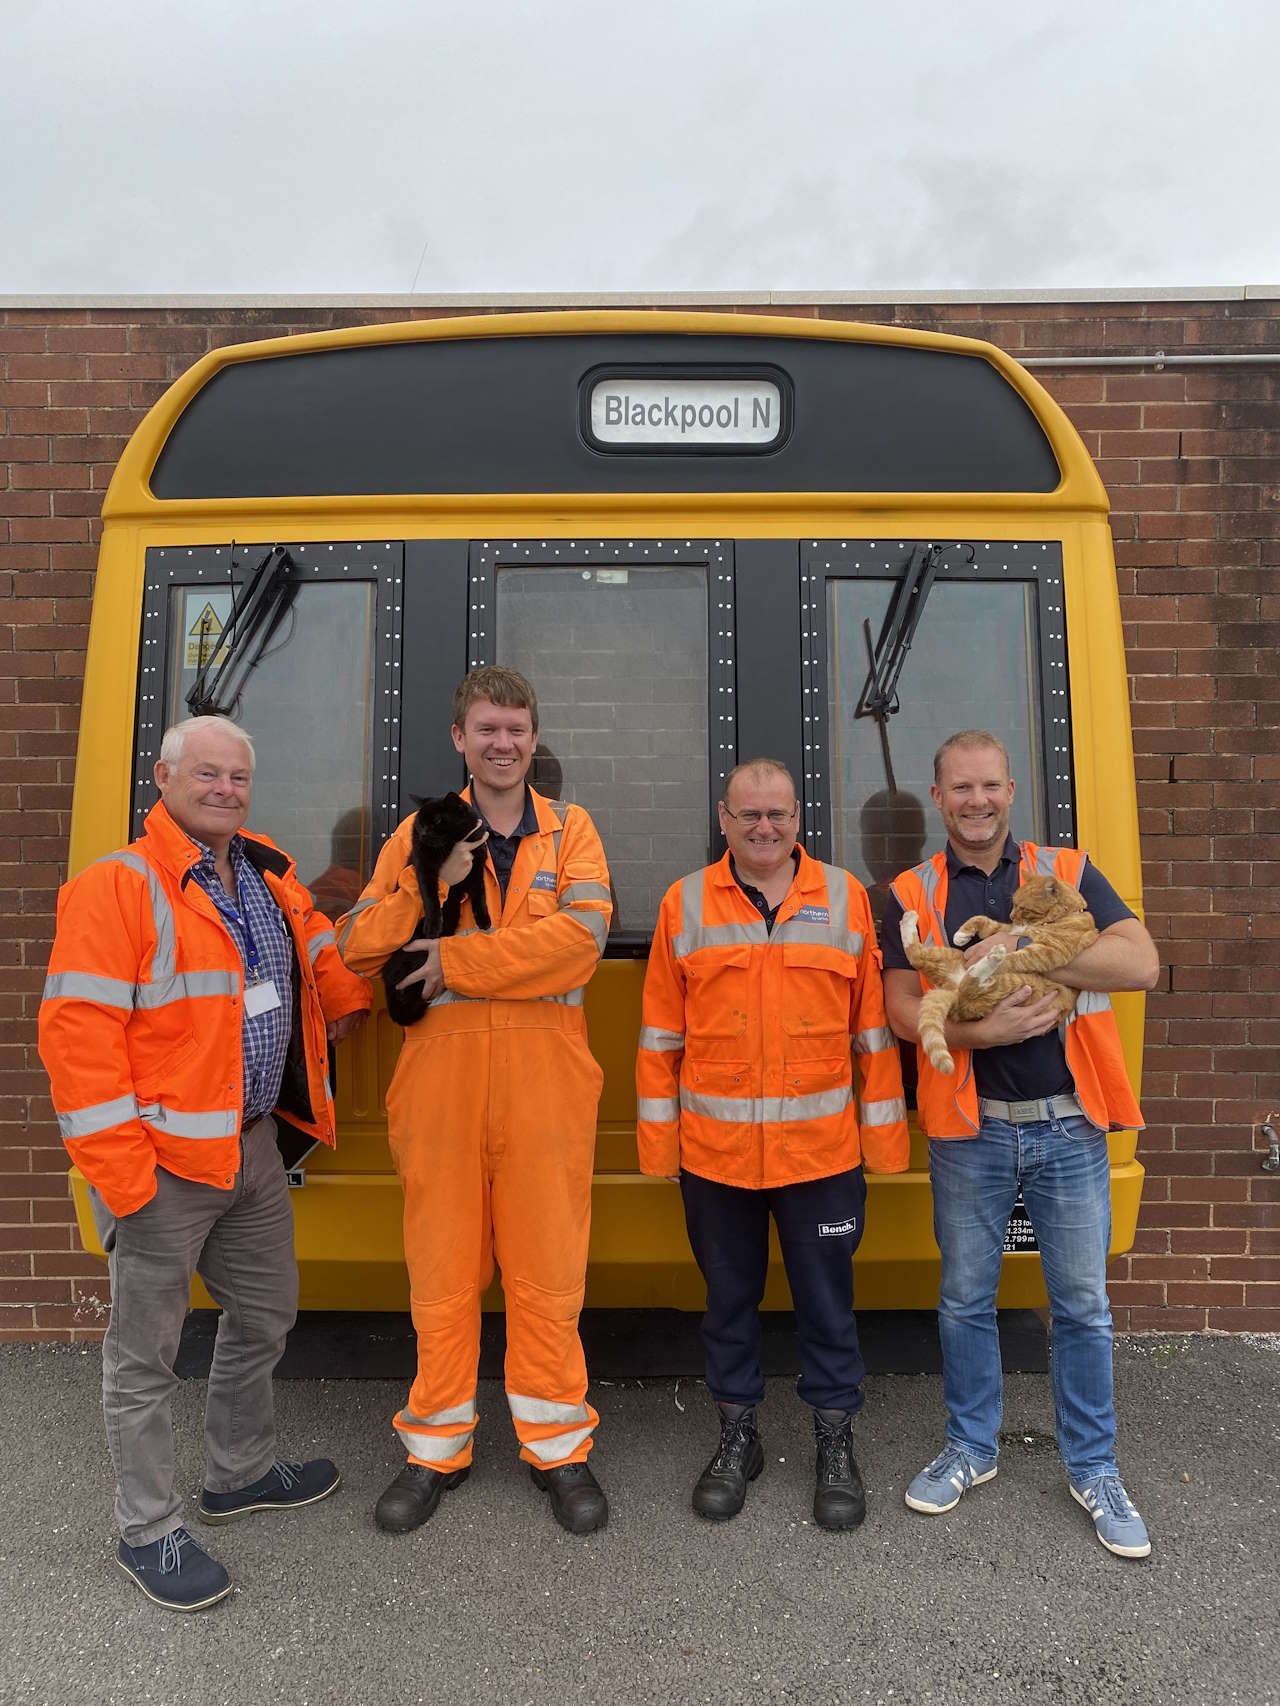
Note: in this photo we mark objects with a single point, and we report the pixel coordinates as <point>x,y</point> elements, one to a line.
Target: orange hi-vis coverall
<point>491,1118</point>
<point>744,1072</point>
<point>142,1018</point>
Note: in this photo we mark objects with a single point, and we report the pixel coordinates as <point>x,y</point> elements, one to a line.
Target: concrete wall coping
<point>656,298</point>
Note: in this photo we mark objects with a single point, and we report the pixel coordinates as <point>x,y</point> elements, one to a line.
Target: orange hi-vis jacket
<point>142,1018</point>
<point>948,1105</point>
<point>534,976</point>
<point>745,1069</point>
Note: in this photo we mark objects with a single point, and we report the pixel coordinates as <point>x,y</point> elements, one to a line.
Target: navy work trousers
<point>819,1227</point>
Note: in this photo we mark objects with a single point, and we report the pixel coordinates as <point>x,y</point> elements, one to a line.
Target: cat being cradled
<point>1048,910</point>
<point>448,848</point>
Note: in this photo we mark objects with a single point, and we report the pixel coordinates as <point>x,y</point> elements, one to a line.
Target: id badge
<point>260,997</point>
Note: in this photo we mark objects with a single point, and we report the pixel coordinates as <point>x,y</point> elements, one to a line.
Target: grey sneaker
<point>941,1484</point>
<point>1118,1525</point>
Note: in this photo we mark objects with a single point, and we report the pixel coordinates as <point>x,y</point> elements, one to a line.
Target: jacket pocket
<point>817,989</point>
<point>716,992</point>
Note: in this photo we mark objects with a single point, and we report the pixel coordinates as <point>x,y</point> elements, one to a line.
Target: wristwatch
<point>1025,941</point>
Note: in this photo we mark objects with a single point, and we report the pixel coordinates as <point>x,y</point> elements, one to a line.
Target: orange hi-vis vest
<point>948,1105</point>
<point>745,1067</point>
<point>141,1024</point>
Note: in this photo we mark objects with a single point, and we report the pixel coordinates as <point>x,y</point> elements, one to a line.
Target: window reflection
<point>972,664</point>
<point>619,660</point>
<point>308,704</point>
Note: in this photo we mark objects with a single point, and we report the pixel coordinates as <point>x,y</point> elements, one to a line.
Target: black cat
<point>441,827</point>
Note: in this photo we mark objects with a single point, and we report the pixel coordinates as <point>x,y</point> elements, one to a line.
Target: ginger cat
<point>1051,912</point>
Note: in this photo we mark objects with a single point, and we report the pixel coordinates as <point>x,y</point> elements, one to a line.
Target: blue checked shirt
<point>265,1036</point>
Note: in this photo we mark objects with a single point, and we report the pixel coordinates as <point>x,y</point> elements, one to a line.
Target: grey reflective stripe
<point>927,875</point>
<point>721,936</point>
<point>1046,861</point>
<point>324,940</point>
<point>85,986</point>
<point>883,1113</point>
<point>768,1110</point>
<point>659,1041</point>
<point>660,1109</point>
<point>838,905</point>
<point>446,998</point>
<point>545,1410</point>
<point>872,1041</point>
<point>1089,1001</point>
<point>558,1446</point>
<point>360,905</point>
<point>574,998</point>
<point>459,1413</point>
<point>162,964</point>
<point>584,891</point>
<point>87,1122</point>
<point>328,1089</point>
<point>114,992</point>
<point>186,986</point>
<point>596,922</point>
<point>219,1122</point>
<point>817,935</point>
<point>434,1448</point>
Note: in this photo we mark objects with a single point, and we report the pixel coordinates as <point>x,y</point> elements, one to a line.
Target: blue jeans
<point>1062,1167</point>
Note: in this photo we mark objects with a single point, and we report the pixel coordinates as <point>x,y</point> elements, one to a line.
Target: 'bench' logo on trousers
<point>836,1228</point>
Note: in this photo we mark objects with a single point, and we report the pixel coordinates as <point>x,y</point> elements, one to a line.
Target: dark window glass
<point>972,664</point>
<point>308,704</point>
<point>619,658</point>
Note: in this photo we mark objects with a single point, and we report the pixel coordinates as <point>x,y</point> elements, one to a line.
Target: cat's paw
<point>963,937</point>
<point>910,932</point>
<point>988,965</point>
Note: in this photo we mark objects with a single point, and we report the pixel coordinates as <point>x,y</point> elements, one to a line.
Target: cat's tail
<point>935,1008</point>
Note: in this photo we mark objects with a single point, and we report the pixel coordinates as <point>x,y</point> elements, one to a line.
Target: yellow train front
<point>704,538</point>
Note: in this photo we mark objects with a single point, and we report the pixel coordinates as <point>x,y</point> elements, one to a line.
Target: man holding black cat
<point>491,1117</point>
<point>1027,1107</point>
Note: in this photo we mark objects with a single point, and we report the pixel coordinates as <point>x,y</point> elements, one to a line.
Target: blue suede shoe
<point>175,1572</point>
<point>941,1485</point>
<point>1117,1523</point>
<point>284,1487</point>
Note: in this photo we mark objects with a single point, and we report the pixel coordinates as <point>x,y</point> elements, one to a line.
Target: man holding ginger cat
<point>1028,1106</point>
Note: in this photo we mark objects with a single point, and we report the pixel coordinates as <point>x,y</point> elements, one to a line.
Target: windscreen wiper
<point>267,597</point>
<point>885,660</point>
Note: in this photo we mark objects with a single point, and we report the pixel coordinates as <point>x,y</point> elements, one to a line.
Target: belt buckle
<point>1023,1113</point>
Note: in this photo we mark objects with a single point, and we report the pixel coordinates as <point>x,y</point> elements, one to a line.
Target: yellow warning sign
<point>202,640</point>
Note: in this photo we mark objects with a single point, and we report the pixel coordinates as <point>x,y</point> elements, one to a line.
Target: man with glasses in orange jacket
<point>491,1117</point>
<point>762,992</point>
<point>192,996</point>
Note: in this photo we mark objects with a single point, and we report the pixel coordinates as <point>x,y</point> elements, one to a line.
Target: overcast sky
<point>324,146</point>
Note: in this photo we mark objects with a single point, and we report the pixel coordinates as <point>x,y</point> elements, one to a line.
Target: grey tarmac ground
<point>1007,1598</point>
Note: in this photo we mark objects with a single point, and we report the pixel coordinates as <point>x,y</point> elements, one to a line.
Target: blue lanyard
<point>238,912</point>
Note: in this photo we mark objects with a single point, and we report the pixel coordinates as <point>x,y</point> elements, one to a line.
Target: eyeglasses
<point>749,819</point>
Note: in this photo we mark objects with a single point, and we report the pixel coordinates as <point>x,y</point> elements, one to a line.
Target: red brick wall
<point>1191,457</point>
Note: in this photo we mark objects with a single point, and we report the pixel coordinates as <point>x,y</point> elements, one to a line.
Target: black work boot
<point>577,1499</point>
<point>413,1496</point>
<point>721,1490</point>
<point>838,1498</point>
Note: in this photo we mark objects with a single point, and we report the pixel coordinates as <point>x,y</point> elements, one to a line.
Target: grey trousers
<point>241,1243</point>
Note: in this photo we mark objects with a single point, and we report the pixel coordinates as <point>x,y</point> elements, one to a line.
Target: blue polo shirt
<point>503,848</point>
<point>1015,1072</point>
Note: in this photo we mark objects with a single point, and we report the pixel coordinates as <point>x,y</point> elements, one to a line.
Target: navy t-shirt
<point>1014,1072</point>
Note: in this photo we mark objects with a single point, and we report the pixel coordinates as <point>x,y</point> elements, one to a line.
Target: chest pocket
<point>541,903</point>
<point>817,988</point>
<point>716,981</point>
